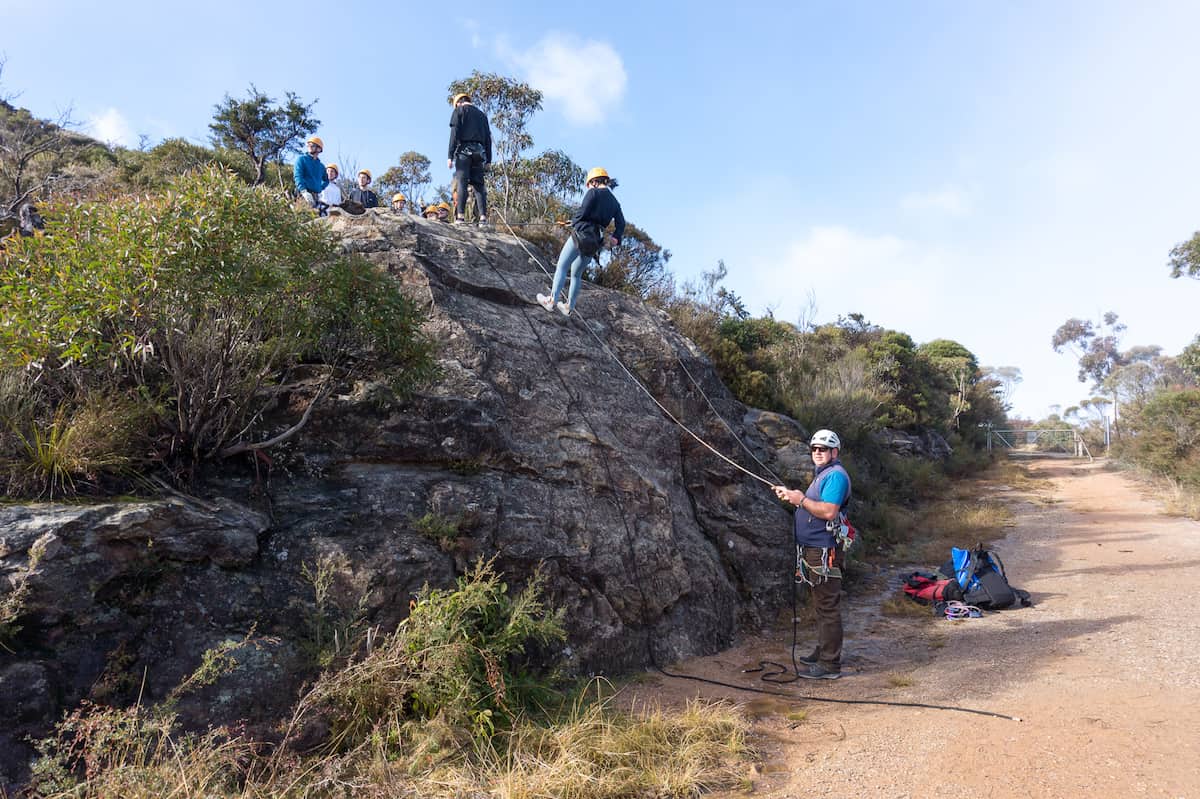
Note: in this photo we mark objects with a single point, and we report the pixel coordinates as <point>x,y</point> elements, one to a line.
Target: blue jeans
<point>570,255</point>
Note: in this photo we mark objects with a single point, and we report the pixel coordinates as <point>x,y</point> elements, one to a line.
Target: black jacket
<point>364,197</point>
<point>600,207</point>
<point>469,124</point>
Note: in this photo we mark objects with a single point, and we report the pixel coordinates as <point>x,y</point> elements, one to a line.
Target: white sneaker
<point>546,302</point>
<point>563,308</point>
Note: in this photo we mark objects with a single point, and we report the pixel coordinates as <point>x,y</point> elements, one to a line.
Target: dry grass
<point>937,526</point>
<point>797,716</point>
<point>1017,476</point>
<point>897,680</point>
<point>598,755</point>
<point>903,607</point>
<point>593,753</point>
<point>1177,499</point>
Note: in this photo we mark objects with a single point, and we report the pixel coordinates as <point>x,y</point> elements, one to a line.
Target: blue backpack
<point>981,575</point>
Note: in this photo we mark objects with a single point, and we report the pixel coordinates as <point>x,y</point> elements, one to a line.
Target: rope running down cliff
<point>772,677</point>
<point>647,392</point>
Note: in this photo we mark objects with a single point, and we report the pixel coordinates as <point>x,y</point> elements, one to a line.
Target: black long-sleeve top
<point>469,124</point>
<point>600,207</point>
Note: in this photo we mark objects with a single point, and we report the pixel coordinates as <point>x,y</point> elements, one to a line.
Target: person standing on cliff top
<point>361,194</point>
<point>819,557</point>
<point>469,155</point>
<point>331,195</point>
<point>310,175</point>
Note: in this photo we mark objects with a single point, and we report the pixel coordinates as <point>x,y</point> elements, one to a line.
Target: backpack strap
<point>999,564</point>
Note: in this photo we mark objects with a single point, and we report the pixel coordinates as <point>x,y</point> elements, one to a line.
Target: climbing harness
<point>810,575</point>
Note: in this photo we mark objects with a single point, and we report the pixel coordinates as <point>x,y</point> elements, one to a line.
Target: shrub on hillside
<point>1165,436</point>
<point>458,657</point>
<point>186,310</point>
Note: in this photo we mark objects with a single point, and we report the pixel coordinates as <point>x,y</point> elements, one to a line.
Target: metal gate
<point>1063,441</point>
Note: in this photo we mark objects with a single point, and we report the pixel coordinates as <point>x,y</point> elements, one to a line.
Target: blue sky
<point>975,171</point>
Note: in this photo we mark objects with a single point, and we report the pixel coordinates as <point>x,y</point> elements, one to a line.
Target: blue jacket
<point>831,484</point>
<point>310,174</point>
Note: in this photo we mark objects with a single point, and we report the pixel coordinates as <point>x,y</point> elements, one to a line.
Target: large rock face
<point>534,447</point>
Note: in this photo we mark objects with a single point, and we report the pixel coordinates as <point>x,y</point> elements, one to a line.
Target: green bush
<point>193,305</point>
<point>1165,436</point>
<point>459,657</point>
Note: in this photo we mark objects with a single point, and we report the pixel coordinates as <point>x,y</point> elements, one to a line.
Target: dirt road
<point>1104,670</point>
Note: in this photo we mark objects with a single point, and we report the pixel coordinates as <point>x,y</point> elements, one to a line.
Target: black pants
<point>468,170</point>
<point>827,599</point>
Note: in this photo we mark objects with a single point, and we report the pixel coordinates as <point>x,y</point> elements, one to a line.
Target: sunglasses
<point>818,449</point>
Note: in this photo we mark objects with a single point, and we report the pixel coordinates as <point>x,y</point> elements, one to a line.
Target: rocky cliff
<point>534,447</point>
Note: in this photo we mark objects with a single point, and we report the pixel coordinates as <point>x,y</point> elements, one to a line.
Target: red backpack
<point>927,589</point>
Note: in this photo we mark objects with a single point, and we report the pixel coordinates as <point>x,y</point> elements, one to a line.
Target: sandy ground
<point>1104,670</point>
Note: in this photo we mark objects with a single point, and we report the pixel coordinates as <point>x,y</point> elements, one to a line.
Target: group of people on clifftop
<point>819,509</point>
<point>469,155</point>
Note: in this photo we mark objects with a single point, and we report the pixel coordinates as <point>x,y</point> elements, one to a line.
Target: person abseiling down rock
<point>598,209</point>
<point>363,195</point>
<point>331,195</point>
<point>470,153</point>
<point>819,558</point>
<point>310,175</point>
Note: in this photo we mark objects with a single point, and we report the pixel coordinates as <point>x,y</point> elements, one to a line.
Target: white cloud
<point>111,127</point>
<point>894,282</point>
<point>948,200</point>
<point>471,26</point>
<point>586,78</point>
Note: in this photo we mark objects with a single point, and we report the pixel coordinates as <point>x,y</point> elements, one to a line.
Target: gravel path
<point>1104,670</point>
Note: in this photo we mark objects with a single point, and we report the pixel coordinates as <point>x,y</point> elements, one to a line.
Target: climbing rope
<point>647,391</point>
<point>957,611</point>
<point>767,677</point>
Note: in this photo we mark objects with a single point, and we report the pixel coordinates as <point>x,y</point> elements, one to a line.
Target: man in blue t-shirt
<point>818,515</point>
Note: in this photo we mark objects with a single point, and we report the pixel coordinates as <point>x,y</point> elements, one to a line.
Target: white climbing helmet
<point>826,438</point>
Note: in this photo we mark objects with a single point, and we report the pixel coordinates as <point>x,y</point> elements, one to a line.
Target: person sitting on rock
<point>331,195</point>
<point>363,195</point>
<point>588,226</point>
<point>309,173</point>
<point>399,203</point>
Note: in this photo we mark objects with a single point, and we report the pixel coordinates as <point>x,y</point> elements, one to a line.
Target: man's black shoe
<point>810,659</point>
<point>818,672</point>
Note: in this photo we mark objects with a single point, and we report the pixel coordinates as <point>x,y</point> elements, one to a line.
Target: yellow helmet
<point>334,167</point>
<point>429,209</point>
<point>445,206</point>
<point>366,172</point>
<point>316,140</point>
<point>597,172</point>
<point>399,198</point>
<point>460,96</point>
